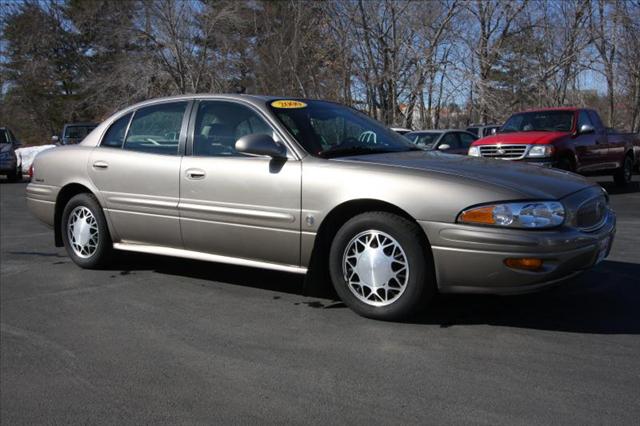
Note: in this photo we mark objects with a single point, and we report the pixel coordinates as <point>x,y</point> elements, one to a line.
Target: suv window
<point>220,124</point>
<point>156,129</point>
<point>466,140</point>
<point>450,139</point>
<point>115,135</point>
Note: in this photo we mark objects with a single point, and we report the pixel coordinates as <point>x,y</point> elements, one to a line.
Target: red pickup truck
<point>572,139</point>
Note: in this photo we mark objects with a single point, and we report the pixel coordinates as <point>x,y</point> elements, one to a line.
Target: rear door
<point>232,204</point>
<point>136,168</point>
<point>466,139</point>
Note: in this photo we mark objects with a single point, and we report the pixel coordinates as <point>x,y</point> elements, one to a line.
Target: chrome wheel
<point>82,231</point>
<point>375,268</point>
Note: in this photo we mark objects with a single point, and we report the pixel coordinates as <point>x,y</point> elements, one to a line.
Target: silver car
<point>293,185</point>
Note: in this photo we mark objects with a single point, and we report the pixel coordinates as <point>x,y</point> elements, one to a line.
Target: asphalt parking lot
<point>162,340</point>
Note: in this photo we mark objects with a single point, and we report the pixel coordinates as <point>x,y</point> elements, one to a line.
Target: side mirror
<point>54,139</point>
<point>260,144</point>
<point>585,129</point>
<point>444,147</point>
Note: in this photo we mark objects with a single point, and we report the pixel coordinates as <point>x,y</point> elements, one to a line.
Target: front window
<point>4,137</point>
<point>539,121</point>
<point>329,130</point>
<point>425,140</point>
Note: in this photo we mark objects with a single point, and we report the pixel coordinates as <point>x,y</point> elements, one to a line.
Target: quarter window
<point>116,133</point>
<point>156,129</point>
<point>220,124</point>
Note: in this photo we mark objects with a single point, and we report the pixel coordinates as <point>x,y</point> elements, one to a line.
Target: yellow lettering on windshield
<point>288,104</point>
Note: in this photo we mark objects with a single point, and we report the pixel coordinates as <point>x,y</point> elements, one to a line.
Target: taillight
<point>31,172</point>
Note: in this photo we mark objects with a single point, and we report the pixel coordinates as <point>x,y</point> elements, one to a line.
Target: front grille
<point>507,152</point>
<point>592,214</point>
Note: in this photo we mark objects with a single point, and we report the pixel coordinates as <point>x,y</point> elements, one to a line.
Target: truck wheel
<point>84,232</point>
<point>380,268</point>
<point>565,163</point>
<point>623,176</point>
<point>15,176</point>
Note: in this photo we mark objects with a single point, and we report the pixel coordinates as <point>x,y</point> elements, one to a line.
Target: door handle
<point>195,174</point>
<point>100,165</point>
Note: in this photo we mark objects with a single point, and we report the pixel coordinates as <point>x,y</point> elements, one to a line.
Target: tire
<point>399,293</point>
<point>623,176</point>
<point>565,163</point>
<point>91,247</point>
<point>15,176</point>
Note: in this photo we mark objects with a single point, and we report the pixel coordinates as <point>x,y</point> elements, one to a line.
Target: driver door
<point>232,204</point>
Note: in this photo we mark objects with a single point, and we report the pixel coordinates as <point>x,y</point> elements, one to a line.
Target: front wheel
<point>380,267</point>
<point>623,176</point>
<point>85,233</point>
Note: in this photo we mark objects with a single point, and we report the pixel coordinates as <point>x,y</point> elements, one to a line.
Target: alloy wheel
<point>375,268</point>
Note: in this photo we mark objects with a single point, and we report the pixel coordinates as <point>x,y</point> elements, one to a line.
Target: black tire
<point>565,163</point>
<point>15,176</point>
<point>623,175</point>
<point>101,255</point>
<point>420,285</point>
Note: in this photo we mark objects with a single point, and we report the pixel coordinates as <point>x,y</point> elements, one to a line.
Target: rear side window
<point>156,129</point>
<point>115,135</point>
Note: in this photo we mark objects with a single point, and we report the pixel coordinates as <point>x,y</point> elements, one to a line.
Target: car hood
<point>529,181</point>
<point>541,138</point>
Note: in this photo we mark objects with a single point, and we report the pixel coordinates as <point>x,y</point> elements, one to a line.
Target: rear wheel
<point>380,267</point>
<point>85,233</point>
<point>623,176</point>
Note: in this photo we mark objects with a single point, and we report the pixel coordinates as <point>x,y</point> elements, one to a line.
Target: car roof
<point>254,99</point>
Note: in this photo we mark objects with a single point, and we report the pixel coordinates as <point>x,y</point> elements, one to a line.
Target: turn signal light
<point>526,263</point>
<point>483,215</point>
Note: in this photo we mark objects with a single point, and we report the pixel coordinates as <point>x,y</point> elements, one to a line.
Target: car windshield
<point>539,121</point>
<point>423,139</point>
<point>330,130</point>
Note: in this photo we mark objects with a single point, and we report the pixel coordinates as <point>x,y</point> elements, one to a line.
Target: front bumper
<point>470,259</point>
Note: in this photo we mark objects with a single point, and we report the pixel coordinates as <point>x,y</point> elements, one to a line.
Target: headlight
<point>533,214</point>
<point>538,151</point>
<point>474,151</point>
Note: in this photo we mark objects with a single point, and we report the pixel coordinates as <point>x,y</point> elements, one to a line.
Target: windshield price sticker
<point>288,104</point>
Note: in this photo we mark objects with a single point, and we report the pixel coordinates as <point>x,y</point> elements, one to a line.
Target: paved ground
<point>157,340</point>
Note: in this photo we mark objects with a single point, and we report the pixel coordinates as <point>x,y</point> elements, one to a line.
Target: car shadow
<point>126,262</point>
<point>604,300</point>
<point>614,189</point>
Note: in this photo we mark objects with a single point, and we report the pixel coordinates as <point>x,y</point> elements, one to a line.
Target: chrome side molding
<point>197,255</point>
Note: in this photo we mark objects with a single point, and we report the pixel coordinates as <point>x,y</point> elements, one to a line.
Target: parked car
<point>9,161</point>
<point>449,141</point>
<point>400,130</point>
<point>288,184</point>
<point>73,133</point>
<point>572,139</point>
<point>483,130</point>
